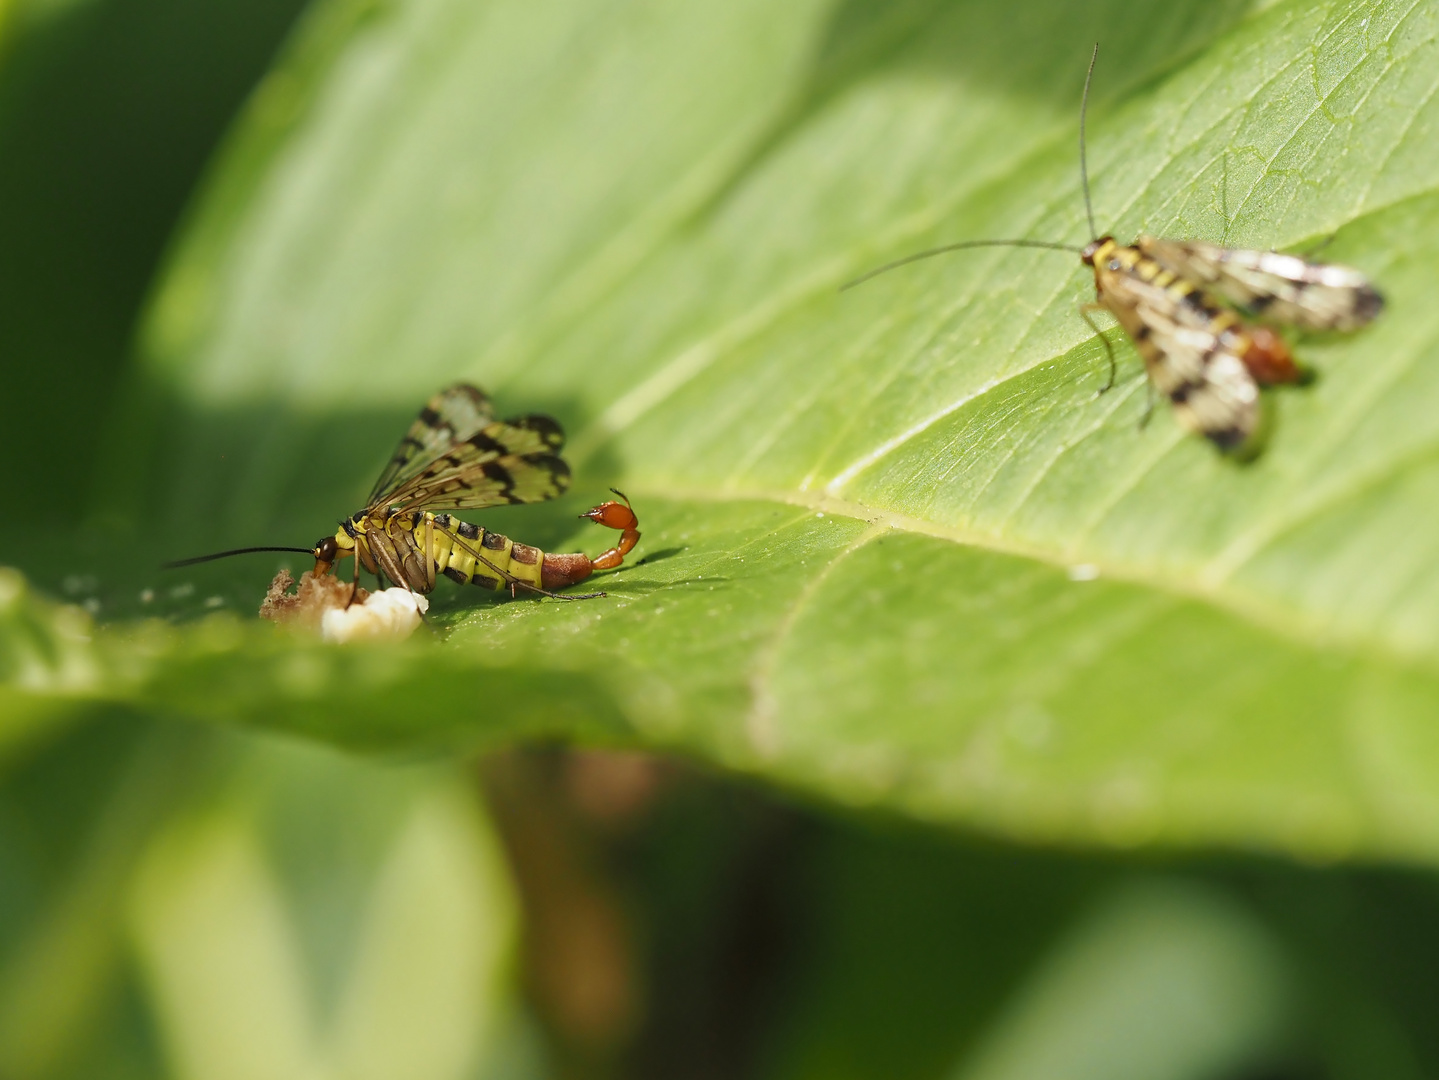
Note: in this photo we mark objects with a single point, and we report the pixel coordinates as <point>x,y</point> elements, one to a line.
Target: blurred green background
<point>195,900</point>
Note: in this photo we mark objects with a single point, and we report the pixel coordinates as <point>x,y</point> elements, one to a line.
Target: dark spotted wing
<point>1281,288</point>
<point>506,461</point>
<point>1211,389</point>
<point>450,417</point>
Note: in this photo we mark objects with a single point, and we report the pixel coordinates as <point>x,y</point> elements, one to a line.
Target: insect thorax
<point>1097,250</point>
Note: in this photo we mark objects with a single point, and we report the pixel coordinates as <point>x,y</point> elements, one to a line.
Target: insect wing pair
<point>1199,352</point>
<point>1271,285</point>
<point>457,456</point>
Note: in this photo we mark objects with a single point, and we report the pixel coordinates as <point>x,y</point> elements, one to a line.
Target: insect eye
<point>327,549</point>
<point>1115,264</point>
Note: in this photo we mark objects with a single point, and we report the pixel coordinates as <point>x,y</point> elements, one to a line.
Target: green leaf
<point>393,881</point>
<point>896,552</point>
<point>1122,964</point>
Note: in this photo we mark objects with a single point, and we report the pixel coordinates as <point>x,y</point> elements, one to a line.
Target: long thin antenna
<point>1083,156</point>
<point>226,554</point>
<point>956,247</point>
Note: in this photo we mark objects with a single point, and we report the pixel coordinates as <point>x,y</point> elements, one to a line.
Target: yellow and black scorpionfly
<point>1208,360</point>
<point>457,456</point>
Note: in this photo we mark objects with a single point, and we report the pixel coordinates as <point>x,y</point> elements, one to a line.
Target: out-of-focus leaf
<point>108,111</point>
<point>897,552</point>
<point>76,813</point>
<point>908,949</point>
<point>45,660</point>
<point>412,902</point>
<point>1164,983</point>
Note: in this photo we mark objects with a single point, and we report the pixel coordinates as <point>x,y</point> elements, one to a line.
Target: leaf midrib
<point>1253,610</point>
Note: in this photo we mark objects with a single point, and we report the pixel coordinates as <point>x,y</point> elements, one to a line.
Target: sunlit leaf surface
<point>895,550</point>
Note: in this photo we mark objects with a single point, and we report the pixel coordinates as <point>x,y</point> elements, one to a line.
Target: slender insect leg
<point>1084,310</point>
<point>515,583</point>
<point>355,581</point>
<point>405,548</point>
<point>387,555</point>
<point>1308,253</point>
<point>429,553</point>
<point>1148,404</point>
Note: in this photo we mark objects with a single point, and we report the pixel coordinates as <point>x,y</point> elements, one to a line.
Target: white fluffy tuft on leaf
<point>384,616</point>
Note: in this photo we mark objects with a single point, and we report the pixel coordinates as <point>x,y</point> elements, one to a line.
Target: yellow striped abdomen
<point>470,554</point>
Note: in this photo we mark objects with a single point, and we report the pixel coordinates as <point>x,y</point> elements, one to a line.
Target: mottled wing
<point>1211,389</point>
<point>506,461</point>
<point>450,417</point>
<point>1282,288</point>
